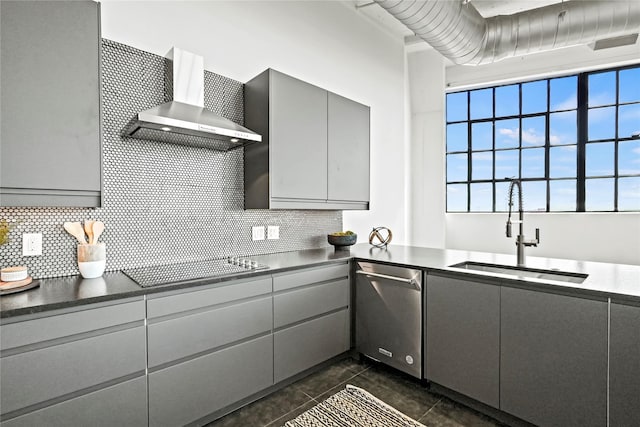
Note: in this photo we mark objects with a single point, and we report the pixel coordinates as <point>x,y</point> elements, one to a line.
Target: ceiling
<point>487,8</point>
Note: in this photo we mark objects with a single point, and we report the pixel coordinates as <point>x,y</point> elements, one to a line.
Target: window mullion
<point>583,127</point>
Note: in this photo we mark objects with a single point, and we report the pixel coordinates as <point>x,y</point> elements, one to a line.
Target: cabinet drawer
<point>123,404</point>
<point>37,376</point>
<point>309,276</point>
<point>308,344</point>
<point>189,391</point>
<point>300,304</point>
<point>22,333</point>
<point>183,336</point>
<point>179,301</point>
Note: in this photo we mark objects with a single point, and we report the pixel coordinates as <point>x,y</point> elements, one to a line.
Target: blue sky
<point>519,143</point>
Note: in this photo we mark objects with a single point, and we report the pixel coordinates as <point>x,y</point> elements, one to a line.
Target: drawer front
<point>308,276</point>
<point>37,376</point>
<point>308,344</point>
<point>189,391</point>
<point>300,304</point>
<point>48,328</point>
<point>184,336</point>
<point>123,404</point>
<point>163,305</point>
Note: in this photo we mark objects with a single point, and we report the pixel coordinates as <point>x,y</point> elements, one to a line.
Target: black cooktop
<point>174,273</point>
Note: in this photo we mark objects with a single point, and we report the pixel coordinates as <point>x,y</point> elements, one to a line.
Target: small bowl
<point>342,242</point>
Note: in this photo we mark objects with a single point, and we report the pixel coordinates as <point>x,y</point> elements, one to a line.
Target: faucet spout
<point>521,242</point>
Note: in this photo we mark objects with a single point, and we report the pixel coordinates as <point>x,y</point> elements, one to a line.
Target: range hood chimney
<point>456,29</point>
<point>184,120</point>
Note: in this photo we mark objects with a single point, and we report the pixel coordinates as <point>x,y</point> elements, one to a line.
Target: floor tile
<point>291,415</point>
<point>450,414</point>
<point>320,382</point>
<point>265,410</point>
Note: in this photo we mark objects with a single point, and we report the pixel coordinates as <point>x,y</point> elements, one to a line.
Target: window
<point>574,142</point>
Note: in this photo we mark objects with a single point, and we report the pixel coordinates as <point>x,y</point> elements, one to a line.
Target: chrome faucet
<point>520,240</point>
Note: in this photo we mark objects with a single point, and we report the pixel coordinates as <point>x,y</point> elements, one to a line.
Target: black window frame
<point>582,112</point>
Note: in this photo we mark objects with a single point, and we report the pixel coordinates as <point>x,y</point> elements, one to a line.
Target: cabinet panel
<point>463,337</point>
<point>39,375</point>
<point>300,304</point>
<point>308,276</point>
<point>308,344</point>
<point>624,369</point>
<point>174,302</point>
<point>123,404</point>
<point>553,369</point>
<point>183,336</point>
<point>62,325</point>
<point>189,391</point>
<point>50,112</point>
<point>298,139</point>
<point>348,149</point>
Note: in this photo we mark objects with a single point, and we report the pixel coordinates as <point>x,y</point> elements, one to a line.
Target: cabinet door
<point>463,337</point>
<point>50,110</point>
<point>348,150</point>
<point>298,139</point>
<point>553,352</point>
<point>307,344</point>
<point>624,366</point>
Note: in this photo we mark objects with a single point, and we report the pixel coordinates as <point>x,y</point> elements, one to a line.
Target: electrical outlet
<point>257,233</point>
<point>31,244</point>
<point>273,232</point>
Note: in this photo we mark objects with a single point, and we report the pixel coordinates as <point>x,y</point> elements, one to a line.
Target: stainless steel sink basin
<point>523,272</point>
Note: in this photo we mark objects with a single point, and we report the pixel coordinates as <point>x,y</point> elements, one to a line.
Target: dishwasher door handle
<point>411,282</point>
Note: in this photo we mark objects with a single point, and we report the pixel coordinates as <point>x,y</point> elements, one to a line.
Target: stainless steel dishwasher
<point>389,315</point>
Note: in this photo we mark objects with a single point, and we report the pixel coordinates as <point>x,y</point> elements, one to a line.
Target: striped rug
<point>353,407</point>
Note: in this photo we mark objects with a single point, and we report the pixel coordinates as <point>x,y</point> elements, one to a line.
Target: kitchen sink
<point>523,272</point>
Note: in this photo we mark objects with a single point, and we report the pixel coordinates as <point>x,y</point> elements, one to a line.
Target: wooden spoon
<point>88,228</point>
<point>98,228</point>
<point>75,229</point>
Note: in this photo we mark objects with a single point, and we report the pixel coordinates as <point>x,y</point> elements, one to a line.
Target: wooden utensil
<point>88,228</point>
<point>17,284</point>
<point>98,228</point>
<point>75,229</point>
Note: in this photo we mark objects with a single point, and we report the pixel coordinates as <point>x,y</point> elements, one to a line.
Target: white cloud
<point>530,136</point>
<point>567,104</point>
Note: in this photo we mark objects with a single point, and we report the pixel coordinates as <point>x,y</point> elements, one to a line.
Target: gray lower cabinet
<point>553,358</point>
<point>624,365</point>
<point>50,112</point>
<point>312,323</point>
<point>315,148</point>
<point>208,348</point>
<point>69,365</point>
<point>462,342</point>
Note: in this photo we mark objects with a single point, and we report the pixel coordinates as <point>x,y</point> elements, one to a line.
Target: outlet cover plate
<point>273,232</point>
<point>257,233</point>
<point>31,244</point>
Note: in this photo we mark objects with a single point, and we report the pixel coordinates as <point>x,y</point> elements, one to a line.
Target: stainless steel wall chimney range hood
<point>184,120</point>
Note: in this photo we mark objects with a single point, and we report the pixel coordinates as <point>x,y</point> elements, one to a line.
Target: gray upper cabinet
<point>50,111</point>
<point>463,337</point>
<point>315,149</point>
<point>348,150</point>
<point>553,358</point>
<point>624,366</point>
<point>298,130</point>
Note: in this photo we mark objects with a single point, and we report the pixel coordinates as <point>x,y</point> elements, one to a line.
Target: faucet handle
<point>509,234</point>
<point>537,235</point>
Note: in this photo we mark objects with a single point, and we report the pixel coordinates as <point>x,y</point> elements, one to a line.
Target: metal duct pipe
<point>460,33</point>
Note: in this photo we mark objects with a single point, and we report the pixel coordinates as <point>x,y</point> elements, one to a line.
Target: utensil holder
<point>92,259</point>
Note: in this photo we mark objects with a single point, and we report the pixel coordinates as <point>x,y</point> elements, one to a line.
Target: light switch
<point>31,244</point>
<point>273,232</point>
<point>257,233</point>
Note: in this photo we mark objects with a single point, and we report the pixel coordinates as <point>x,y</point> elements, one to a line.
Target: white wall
<point>585,236</point>
<point>326,43</point>
<point>426,165</point>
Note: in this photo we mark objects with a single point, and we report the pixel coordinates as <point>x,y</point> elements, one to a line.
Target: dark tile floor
<point>394,388</point>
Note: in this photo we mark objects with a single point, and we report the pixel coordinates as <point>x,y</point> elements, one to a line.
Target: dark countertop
<point>616,281</point>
